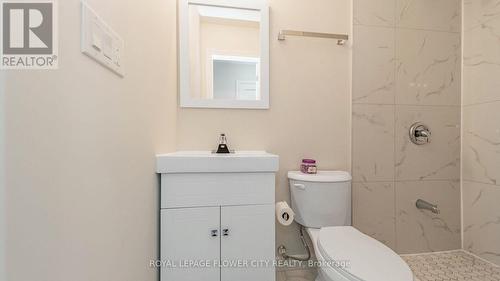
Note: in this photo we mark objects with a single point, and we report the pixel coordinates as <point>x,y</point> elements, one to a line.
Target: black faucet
<point>222,148</point>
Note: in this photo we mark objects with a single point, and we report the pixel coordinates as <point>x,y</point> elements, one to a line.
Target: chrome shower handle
<point>420,134</point>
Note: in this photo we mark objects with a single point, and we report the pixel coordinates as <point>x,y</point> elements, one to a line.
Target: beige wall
<point>481,115</point>
<point>310,100</point>
<point>81,193</point>
<point>406,68</point>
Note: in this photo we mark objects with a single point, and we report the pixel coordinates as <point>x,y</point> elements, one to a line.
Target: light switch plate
<point>100,42</point>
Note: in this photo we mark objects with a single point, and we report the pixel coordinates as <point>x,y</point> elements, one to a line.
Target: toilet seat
<point>369,260</point>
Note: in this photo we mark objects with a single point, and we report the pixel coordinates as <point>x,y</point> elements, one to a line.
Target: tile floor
<point>297,275</point>
<point>454,265</point>
<point>442,266</point>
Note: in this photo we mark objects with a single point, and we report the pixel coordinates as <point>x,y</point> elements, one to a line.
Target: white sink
<point>208,162</point>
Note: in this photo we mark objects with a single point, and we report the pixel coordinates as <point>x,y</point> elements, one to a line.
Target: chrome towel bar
<point>341,38</point>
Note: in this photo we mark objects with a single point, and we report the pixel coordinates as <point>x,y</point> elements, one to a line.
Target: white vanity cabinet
<point>217,216</point>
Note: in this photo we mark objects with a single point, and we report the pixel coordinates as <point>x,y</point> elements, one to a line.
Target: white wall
<point>310,100</point>
<point>82,195</point>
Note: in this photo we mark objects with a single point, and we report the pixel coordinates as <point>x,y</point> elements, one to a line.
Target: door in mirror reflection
<point>235,77</point>
<point>224,53</point>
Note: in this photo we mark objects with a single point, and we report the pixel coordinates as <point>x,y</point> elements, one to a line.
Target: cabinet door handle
<point>214,233</point>
<point>225,232</point>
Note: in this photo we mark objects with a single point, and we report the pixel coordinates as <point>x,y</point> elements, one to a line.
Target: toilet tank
<point>322,199</point>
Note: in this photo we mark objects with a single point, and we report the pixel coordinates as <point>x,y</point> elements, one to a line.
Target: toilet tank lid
<point>321,176</point>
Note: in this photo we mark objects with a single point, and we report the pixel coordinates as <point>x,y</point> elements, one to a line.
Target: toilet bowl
<point>346,254</point>
<point>322,203</point>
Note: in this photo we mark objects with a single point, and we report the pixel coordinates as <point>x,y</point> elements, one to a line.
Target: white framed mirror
<point>224,53</point>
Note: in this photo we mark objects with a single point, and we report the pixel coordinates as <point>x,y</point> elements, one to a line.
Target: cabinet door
<point>190,235</point>
<point>247,237</point>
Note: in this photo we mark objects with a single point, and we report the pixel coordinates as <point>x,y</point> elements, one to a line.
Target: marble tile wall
<point>481,121</point>
<point>406,68</point>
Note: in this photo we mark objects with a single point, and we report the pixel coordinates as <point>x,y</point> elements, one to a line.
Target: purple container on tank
<point>308,166</point>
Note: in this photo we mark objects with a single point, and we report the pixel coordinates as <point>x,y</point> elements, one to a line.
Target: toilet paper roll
<point>284,214</point>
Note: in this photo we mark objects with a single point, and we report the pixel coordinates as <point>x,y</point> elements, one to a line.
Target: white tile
<point>482,220</point>
<point>482,63</point>
<point>369,12</point>
<point>420,230</point>
<point>428,67</point>
<point>373,142</point>
<point>481,149</point>
<point>439,159</point>
<point>477,12</point>
<point>452,265</point>
<point>373,65</point>
<point>442,15</point>
<point>373,211</point>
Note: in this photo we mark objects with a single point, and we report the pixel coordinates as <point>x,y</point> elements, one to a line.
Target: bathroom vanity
<point>217,216</point>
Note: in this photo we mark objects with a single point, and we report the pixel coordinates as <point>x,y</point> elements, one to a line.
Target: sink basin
<point>208,162</point>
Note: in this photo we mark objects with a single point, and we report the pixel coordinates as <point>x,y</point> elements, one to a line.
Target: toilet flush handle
<point>299,186</point>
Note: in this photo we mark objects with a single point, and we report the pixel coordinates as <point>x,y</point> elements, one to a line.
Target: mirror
<point>224,55</point>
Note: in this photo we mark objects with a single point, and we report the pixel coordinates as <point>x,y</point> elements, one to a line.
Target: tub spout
<point>424,205</point>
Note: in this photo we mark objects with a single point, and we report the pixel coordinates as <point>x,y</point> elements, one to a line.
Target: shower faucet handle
<point>420,134</point>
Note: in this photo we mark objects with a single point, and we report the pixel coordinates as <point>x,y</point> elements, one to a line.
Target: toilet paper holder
<point>284,214</point>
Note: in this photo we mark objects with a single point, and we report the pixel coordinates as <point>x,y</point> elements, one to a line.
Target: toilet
<point>322,204</point>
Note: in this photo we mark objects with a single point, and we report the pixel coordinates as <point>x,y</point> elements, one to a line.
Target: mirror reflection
<point>224,53</point>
